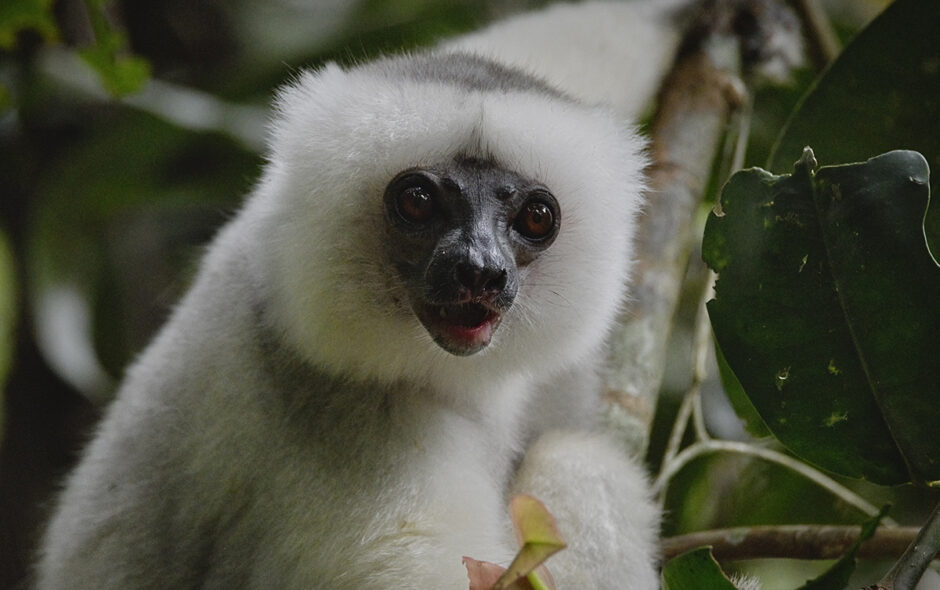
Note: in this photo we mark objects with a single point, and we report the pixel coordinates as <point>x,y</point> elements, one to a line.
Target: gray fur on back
<point>465,70</point>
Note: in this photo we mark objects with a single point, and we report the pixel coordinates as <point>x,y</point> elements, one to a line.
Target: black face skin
<point>458,235</point>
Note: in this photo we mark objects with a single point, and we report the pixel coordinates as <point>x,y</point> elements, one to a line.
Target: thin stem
<point>702,448</point>
<point>536,582</point>
<point>678,431</point>
<point>702,345</point>
<point>691,407</point>
<point>698,416</point>
<point>703,331</point>
<point>908,570</point>
<point>670,469</point>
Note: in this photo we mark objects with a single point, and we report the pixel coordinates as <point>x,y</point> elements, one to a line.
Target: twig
<point>678,431</point>
<point>792,542</point>
<point>908,570</point>
<point>701,347</point>
<point>691,407</point>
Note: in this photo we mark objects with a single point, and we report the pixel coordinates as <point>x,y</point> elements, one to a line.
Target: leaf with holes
<point>882,93</point>
<point>826,309</point>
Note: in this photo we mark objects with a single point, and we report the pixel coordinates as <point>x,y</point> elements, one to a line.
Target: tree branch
<point>693,111</point>
<point>792,542</point>
<point>910,567</point>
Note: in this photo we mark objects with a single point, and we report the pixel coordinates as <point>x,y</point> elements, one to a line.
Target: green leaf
<point>20,15</point>
<point>120,73</point>
<point>838,575</point>
<point>738,398</point>
<point>826,310</point>
<point>881,94</point>
<point>695,570</point>
<point>538,539</point>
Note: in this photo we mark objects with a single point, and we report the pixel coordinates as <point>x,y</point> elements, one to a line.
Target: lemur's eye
<point>415,204</point>
<point>413,197</point>
<point>538,220</point>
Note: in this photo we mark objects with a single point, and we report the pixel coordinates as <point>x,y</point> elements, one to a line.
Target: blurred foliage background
<point>106,200</point>
<point>130,131</point>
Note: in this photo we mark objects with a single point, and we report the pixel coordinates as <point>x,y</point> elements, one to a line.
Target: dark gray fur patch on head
<point>468,71</point>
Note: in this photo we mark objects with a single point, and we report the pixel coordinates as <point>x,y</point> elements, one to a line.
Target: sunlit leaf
<point>538,537</point>
<point>826,310</point>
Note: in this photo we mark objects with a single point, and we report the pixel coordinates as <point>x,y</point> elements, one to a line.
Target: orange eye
<point>536,221</point>
<point>415,205</point>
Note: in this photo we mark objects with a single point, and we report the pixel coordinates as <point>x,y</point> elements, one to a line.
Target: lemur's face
<point>460,235</point>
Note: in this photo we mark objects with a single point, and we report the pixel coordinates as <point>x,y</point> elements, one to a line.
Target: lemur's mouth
<point>467,315</point>
<point>460,328</point>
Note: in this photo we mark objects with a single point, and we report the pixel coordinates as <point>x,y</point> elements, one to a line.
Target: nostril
<point>497,282</point>
<point>480,281</point>
<point>467,275</point>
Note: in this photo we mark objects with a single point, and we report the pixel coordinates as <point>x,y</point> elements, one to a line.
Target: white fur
<point>365,135</point>
<point>635,39</point>
<point>294,425</point>
<point>602,503</point>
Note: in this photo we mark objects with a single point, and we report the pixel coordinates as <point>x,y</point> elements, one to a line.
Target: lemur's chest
<point>402,504</point>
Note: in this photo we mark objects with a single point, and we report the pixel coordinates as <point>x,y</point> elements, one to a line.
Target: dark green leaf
<point>826,310</point>
<point>838,575</point>
<point>738,397</point>
<point>695,570</point>
<point>881,94</point>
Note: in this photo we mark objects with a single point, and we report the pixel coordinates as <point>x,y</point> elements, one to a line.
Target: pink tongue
<point>470,334</point>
